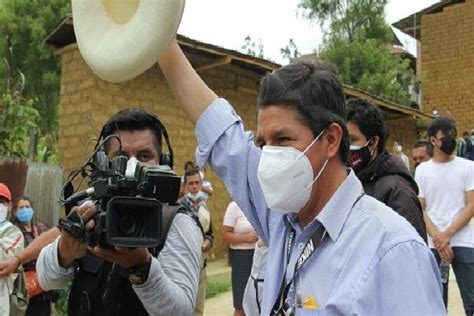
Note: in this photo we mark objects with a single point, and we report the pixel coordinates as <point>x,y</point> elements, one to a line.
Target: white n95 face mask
<point>286,177</point>
<point>3,212</point>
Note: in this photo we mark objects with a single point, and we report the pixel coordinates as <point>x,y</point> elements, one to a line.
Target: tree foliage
<point>251,48</point>
<point>358,42</point>
<point>18,117</point>
<point>350,18</point>
<point>290,51</point>
<point>29,22</point>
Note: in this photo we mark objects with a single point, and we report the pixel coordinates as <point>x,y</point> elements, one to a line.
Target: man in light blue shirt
<point>332,249</point>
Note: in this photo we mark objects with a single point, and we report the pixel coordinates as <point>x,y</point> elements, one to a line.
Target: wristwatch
<point>138,275</point>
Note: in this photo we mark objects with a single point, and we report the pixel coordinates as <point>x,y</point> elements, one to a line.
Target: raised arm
<point>193,95</point>
<point>222,141</point>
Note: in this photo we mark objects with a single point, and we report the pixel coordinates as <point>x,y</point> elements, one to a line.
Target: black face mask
<point>359,158</point>
<point>448,144</point>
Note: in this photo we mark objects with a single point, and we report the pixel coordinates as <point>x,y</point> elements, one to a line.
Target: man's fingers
<point>90,225</point>
<point>107,254</point>
<point>123,250</point>
<point>446,254</point>
<point>87,211</point>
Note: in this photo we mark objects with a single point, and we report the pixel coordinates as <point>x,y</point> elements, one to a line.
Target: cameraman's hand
<point>124,257</point>
<point>69,248</point>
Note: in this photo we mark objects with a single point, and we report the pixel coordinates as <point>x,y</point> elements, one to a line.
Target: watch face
<point>135,279</point>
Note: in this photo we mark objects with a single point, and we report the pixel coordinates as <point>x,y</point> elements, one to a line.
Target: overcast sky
<point>226,23</point>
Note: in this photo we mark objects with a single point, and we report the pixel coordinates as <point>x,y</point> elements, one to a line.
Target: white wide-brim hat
<point>120,39</point>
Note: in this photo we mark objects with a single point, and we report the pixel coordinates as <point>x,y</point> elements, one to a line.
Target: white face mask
<point>3,212</point>
<point>286,177</point>
<point>193,196</point>
<point>131,166</point>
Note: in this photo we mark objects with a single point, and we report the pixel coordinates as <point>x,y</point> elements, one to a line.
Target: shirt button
<point>300,246</point>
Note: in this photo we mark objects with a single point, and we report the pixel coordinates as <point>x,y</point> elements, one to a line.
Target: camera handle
<point>74,225</point>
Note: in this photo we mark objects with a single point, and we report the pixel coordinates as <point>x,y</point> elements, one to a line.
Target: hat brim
<point>119,52</point>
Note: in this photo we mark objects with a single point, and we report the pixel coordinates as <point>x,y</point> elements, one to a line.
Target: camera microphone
<point>76,197</point>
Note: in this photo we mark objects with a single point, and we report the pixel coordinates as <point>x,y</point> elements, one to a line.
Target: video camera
<point>129,204</point>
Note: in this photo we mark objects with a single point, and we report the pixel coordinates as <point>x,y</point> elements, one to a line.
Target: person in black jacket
<point>384,176</point>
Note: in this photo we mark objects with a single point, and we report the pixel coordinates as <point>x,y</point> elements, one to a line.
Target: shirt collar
<point>335,212</point>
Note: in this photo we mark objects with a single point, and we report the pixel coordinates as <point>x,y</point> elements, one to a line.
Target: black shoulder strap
<point>169,212</point>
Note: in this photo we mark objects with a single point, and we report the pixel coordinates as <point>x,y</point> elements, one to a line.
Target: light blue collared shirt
<point>371,263</point>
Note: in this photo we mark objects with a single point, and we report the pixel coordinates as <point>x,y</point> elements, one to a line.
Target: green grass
<point>214,288</point>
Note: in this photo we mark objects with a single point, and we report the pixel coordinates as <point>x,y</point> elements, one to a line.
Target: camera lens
<point>129,226</point>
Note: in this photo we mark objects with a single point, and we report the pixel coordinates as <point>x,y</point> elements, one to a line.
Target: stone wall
<point>447,65</point>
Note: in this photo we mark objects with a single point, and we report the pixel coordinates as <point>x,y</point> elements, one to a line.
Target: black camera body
<point>129,206</point>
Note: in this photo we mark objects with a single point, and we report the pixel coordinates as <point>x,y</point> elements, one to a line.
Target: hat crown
<point>5,192</point>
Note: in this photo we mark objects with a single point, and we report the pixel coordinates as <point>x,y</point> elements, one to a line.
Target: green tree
<point>358,42</point>
<point>350,18</point>
<point>18,117</point>
<point>250,47</point>
<point>29,22</point>
<point>290,51</point>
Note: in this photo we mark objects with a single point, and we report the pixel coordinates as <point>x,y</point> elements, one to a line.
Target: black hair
<point>466,133</point>
<point>369,120</point>
<point>424,143</point>
<point>17,201</point>
<point>190,163</point>
<point>190,173</point>
<point>134,119</point>
<point>314,91</point>
<point>442,123</point>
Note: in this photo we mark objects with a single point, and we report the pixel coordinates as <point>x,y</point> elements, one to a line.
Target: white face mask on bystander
<point>3,212</point>
<point>286,177</point>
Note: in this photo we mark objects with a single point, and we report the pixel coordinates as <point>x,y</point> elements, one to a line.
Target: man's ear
<point>374,142</point>
<point>333,136</point>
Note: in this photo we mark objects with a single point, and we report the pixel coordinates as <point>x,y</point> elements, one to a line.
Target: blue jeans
<point>463,267</point>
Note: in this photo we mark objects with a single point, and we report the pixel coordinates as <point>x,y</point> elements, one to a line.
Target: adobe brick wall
<point>403,130</point>
<point>447,65</point>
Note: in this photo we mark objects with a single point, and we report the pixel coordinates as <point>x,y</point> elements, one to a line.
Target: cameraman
<point>123,281</point>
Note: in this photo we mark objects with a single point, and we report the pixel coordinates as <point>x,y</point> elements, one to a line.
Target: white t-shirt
<point>234,217</point>
<point>444,187</point>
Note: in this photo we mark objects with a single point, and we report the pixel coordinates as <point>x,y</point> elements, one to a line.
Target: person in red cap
<point>11,243</point>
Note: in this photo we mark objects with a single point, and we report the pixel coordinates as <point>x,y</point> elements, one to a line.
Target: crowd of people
<point>322,216</point>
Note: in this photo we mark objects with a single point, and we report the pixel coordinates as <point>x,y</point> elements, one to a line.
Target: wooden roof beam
<point>400,117</point>
<point>219,62</point>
